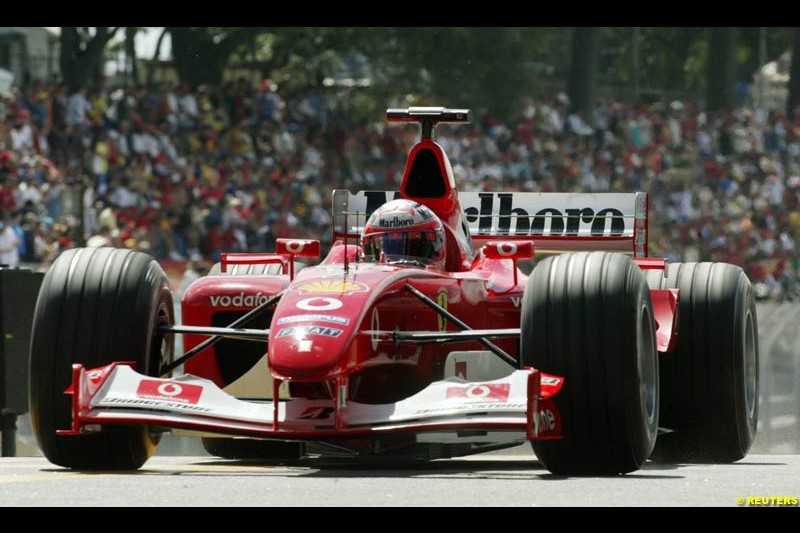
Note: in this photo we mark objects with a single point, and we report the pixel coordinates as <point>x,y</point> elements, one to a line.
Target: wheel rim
<point>750,365</point>
<point>162,354</point>
<point>648,378</point>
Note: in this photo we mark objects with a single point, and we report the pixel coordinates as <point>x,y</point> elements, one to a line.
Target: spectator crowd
<point>185,173</point>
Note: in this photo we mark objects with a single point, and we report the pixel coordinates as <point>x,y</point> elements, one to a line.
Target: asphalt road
<point>487,480</point>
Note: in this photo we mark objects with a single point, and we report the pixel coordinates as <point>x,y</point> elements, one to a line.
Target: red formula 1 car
<point>418,335</point>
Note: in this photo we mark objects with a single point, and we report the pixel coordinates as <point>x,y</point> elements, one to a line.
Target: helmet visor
<point>423,247</point>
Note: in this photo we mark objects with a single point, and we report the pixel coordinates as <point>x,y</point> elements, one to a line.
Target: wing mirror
<point>509,250</point>
<point>297,248</point>
<point>514,250</point>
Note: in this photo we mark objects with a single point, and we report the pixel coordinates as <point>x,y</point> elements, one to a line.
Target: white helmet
<point>404,232</point>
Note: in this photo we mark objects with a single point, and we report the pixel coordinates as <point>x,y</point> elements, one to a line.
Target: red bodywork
<point>331,333</point>
<point>483,289</point>
<point>484,292</point>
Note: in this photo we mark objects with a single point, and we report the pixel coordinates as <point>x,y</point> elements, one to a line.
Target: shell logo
<point>332,287</point>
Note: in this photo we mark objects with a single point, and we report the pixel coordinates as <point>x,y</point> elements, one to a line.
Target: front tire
<point>96,306</point>
<point>710,383</point>
<point>588,317</point>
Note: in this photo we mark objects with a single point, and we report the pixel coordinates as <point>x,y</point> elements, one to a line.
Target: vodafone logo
<point>485,392</point>
<point>295,247</point>
<point>506,249</point>
<point>319,304</point>
<point>238,300</point>
<point>478,391</point>
<point>169,391</point>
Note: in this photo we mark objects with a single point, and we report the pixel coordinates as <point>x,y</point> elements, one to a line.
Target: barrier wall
<point>779,402</point>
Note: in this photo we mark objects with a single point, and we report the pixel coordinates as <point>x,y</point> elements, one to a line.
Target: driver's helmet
<point>404,232</point>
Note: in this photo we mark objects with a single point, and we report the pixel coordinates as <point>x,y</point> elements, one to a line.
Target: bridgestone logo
<point>239,300</point>
<point>474,407</point>
<point>157,404</point>
<point>547,421</point>
<point>395,223</point>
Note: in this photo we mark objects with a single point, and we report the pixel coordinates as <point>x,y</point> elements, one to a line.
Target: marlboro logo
<point>496,214</point>
<point>395,222</point>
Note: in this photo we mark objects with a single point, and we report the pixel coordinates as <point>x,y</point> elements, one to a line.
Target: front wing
<point>117,394</point>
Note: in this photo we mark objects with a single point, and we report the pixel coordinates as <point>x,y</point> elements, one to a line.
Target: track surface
<point>487,480</point>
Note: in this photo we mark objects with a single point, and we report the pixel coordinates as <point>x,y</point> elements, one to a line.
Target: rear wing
<point>556,222</point>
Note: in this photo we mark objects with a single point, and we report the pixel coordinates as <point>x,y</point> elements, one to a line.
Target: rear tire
<point>588,317</point>
<point>96,306</point>
<point>710,383</point>
<point>268,450</point>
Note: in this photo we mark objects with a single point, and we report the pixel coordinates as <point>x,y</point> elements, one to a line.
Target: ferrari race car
<point>418,335</point>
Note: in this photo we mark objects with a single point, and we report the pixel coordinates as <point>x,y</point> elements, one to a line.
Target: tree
<point>758,45</point>
<point>151,71</point>
<point>583,69</point>
<point>300,57</point>
<point>81,59</point>
<point>794,78</point>
<point>201,54</point>
<point>471,67</point>
<point>467,67</point>
<point>666,59</point>
<point>721,68</point>
<point>130,52</point>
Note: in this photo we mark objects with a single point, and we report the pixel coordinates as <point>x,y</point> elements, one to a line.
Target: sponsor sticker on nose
<point>487,392</point>
<point>169,391</point>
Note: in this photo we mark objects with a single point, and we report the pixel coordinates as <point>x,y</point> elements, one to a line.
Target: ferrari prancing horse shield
<point>441,299</point>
